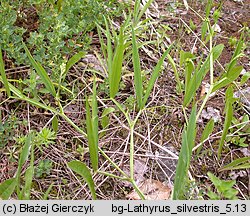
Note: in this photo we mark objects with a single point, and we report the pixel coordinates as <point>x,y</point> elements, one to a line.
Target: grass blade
<point>123,111</point>
<point>3,74</point>
<point>228,118</point>
<point>7,188</point>
<point>155,75</point>
<point>116,70</point>
<point>237,164</point>
<point>74,59</point>
<point>109,48</point>
<point>137,71</point>
<point>171,61</point>
<point>92,129</point>
<point>143,10</point>
<point>232,75</point>
<point>81,169</point>
<point>55,123</point>
<point>45,196</point>
<point>41,72</point>
<point>95,128</point>
<point>205,134</point>
<point>22,159</point>
<point>208,130</point>
<point>25,151</point>
<point>237,54</point>
<point>196,80</point>
<point>136,10</point>
<point>25,195</point>
<point>105,117</point>
<point>188,140</point>
<point>28,182</point>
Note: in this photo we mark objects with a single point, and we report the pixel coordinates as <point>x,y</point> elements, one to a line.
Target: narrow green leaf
<point>232,75</point>
<point>245,78</point>
<point>81,169</point>
<point>107,111</point>
<point>45,197</point>
<point>105,122</point>
<point>7,188</point>
<point>74,59</point>
<point>184,56</point>
<point>95,128</point>
<point>105,118</point>
<point>191,130</point>
<point>137,71</point>
<point>155,75</point>
<point>241,166</point>
<point>116,71</point>
<point>36,103</point>
<point>205,134</point>
<point>189,68</point>
<point>208,7</point>
<point>109,49</point>
<point>41,72</point>
<point>228,118</point>
<point>176,74</point>
<point>55,123</point>
<point>203,30</point>
<point>188,140</point>
<point>3,74</point>
<point>25,151</point>
<point>241,163</point>
<point>28,182</point>
<point>207,130</point>
<point>143,10</point>
<point>122,110</point>
<point>196,80</point>
<point>22,159</point>
<point>136,11</point>
<point>236,55</point>
<point>101,40</point>
<point>91,135</point>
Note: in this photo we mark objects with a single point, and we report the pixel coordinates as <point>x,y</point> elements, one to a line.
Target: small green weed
<point>43,169</point>
<point>239,133</point>
<point>224,189</point>
<point>8,129</point>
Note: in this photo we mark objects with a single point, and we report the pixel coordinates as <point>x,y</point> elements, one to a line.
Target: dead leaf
<point>153,190</point>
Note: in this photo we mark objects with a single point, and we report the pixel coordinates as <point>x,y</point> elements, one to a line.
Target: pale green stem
<point>204,102</point>
<point>211,59</point>
<point>131,152</point>
<point>139,192</point>
<point>113,163</point>
<point>113,176</point>
<point>211,72</point>
<point>72,124</point>
<point>131,161</point>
